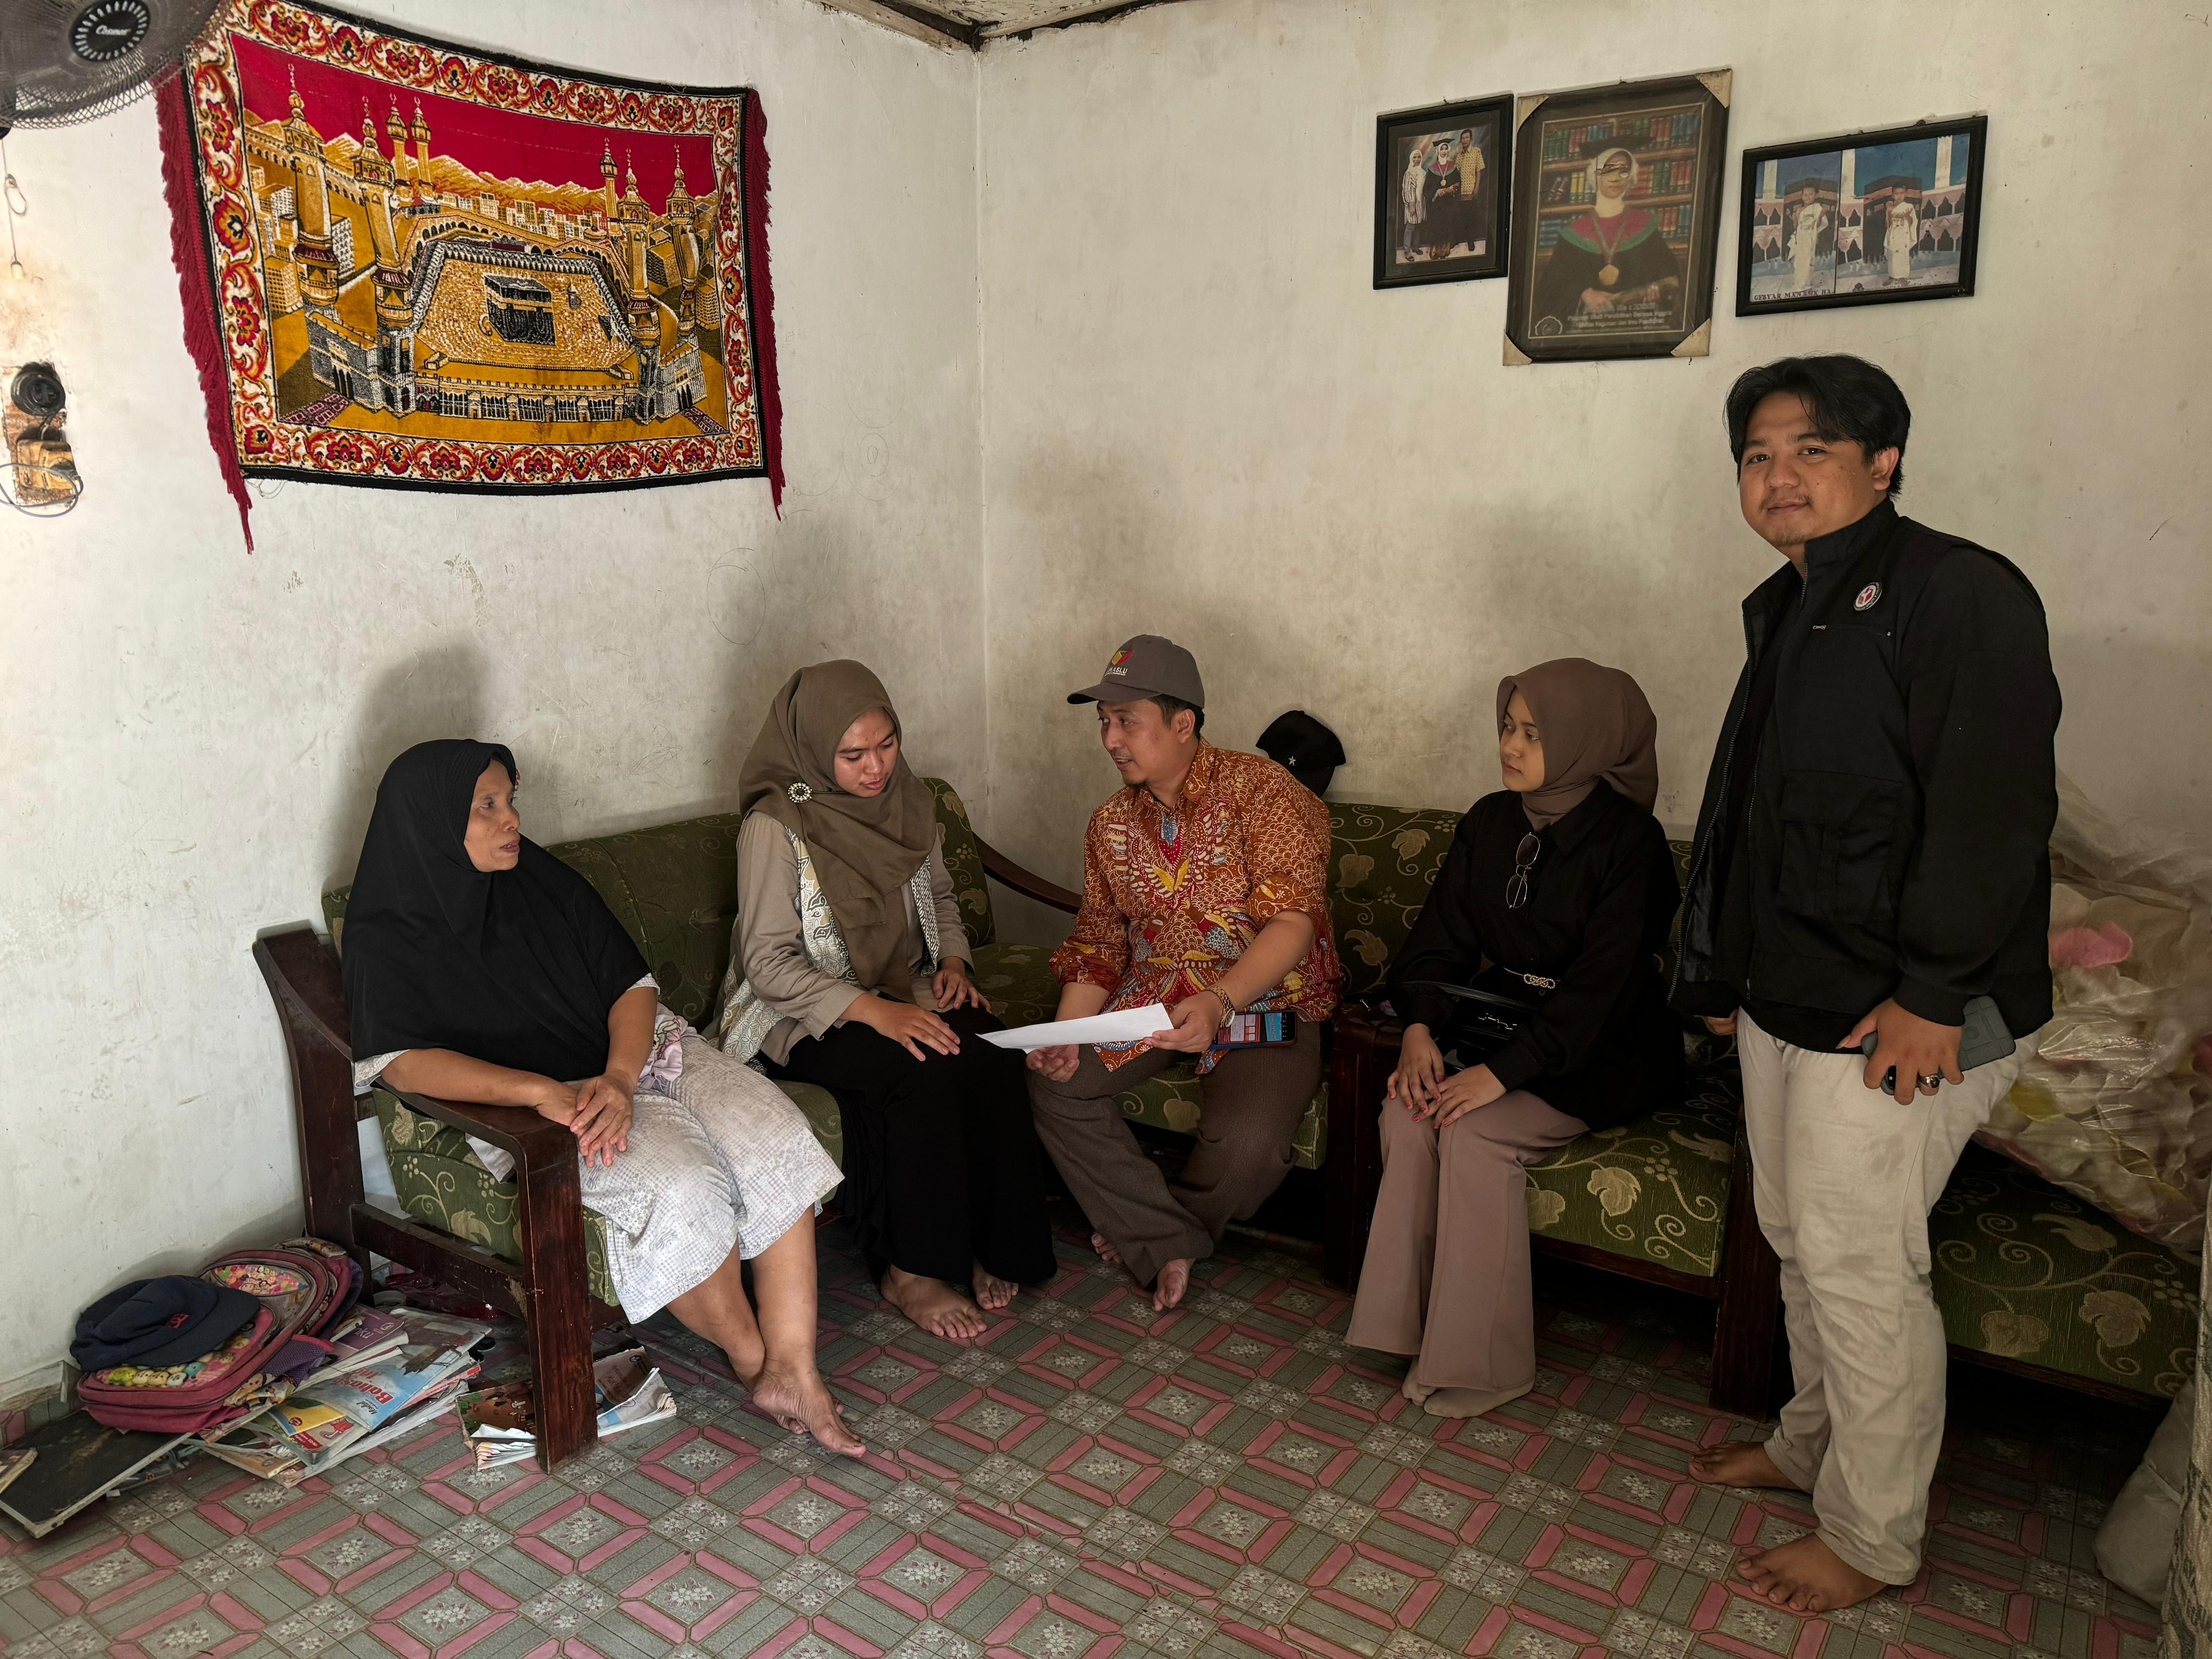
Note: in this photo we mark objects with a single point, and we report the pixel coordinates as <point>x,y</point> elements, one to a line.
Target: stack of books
<point>501,1423</point>
<point>395,1370</point>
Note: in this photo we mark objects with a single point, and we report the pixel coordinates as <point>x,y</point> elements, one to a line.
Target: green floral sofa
<point>674,887</point>
<point>2026,1275</point>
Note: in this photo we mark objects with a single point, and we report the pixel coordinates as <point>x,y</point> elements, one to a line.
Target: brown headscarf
<point>1594,724</point>
<point>865,849</point>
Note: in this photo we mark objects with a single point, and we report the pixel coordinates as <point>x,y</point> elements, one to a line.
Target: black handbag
<point>1487,1017</point>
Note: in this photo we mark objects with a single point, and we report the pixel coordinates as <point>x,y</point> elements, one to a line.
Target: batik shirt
<point>1170,899</point>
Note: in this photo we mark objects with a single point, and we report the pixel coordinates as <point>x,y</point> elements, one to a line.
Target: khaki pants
<point>1844,1178</point>
<point>1252,1101</point>
<point>1446,1277</point>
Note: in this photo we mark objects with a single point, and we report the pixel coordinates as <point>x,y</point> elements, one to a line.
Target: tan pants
<point>1842,1178</point>
<point>1446,1277</point>
<point>1251,1105</point>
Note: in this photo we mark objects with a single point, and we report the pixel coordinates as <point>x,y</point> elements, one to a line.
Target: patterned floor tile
<point>1228,1480</point>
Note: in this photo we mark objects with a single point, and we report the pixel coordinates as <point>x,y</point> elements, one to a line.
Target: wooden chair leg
<point>554,1268</point>
<point>1749,1319</point>
<point>1365,1050</point>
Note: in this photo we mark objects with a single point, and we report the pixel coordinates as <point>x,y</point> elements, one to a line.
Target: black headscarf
<point>517,968</point>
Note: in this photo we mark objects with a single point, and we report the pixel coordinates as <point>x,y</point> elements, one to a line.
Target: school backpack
<point>303,1287</point>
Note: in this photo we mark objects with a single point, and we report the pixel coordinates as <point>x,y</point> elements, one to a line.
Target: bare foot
<point>1739,1463</point>
<point>1416,1392</point>
<point>1105,1246</point>
<point>932,1304</point>
<point>800,1400</point>
<point>993,1292</point>
<point>1168,1288</point>
<point>1471,1402</point>
<point>1806,1575</point>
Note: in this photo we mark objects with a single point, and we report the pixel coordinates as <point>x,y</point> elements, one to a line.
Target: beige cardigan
<point>774,956</point>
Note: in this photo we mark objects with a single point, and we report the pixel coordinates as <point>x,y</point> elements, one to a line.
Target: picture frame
<point>1865,218</point>
<point>1424,187</point>
<point>1616,220</point>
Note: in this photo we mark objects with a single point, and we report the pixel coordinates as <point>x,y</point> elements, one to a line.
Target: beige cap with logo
<point>1147,667</point>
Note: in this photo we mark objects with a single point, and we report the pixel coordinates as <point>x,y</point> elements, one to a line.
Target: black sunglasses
<point>1524,860</point>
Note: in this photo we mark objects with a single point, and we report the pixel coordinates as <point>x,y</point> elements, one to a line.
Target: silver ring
<point>1931,1080</point>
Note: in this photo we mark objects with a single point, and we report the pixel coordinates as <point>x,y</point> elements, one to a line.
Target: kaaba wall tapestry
<point>410,264</point>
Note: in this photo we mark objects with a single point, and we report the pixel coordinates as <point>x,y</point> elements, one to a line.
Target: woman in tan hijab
<point>1557,895</point>
<point>850,970</point>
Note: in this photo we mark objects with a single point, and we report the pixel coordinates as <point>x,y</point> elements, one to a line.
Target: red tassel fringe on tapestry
<point>771,396</point>
<point>188,251</point>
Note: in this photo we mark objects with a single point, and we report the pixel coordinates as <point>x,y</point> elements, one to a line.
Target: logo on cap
<point>1868,595</point>
<point>1120,658</point>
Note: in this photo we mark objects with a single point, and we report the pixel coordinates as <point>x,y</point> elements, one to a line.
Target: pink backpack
<point>299,1290</point>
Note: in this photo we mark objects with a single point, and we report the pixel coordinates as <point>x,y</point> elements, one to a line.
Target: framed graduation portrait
<point>1444,176</point>
<point>1616,220</point>
<point>1864,219</point>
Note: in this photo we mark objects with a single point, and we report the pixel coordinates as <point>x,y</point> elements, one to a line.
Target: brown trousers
<point>1251,1104</point>
<point>1446,1277</point>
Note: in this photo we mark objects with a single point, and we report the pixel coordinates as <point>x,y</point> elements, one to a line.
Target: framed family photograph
<point>1863,219</point>
<point>1443,178</point>
<point>1615,216</point>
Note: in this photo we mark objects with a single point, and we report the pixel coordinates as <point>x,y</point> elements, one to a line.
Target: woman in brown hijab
<point>1557,894</point>
<point>850,970</point>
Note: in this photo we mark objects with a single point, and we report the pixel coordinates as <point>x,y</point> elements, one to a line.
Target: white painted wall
<point>1197,416</point>
<point>193,735</point>
<point>1200,419</point>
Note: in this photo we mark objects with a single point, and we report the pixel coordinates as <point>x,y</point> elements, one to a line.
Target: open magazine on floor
<point>342,1413</point>
<point>501,1423</point>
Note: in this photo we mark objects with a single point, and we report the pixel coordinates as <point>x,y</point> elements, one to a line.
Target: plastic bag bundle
<point>2116,1107</point>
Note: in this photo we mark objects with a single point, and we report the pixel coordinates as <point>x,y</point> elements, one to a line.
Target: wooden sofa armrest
<point>1362,1056</point>
<point>1001,868</point>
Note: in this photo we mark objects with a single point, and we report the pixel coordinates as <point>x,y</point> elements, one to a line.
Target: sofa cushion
<point>1655,1188</point>
<point>963,862</point>
<point>2027,1272</point>
<point>441,1181</point>
<point>1023,992</point>
<point>1383,861</point>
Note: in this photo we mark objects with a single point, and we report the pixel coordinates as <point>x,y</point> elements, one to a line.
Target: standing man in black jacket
<point>1872,855</point>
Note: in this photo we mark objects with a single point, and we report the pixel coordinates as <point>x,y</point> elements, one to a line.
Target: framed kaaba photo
<point>1864,219</point>
<point>1616,220</point>
<point>1443,177</point>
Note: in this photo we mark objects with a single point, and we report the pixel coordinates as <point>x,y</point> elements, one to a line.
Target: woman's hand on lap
<point>556,1100</point>
<point>1465,1091</point>
<point>954,988</point>
<point>601,1120</point>
<point>1421,1071</point>
<point>913,1029</point>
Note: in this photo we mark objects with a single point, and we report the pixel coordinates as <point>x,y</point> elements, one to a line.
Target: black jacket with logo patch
<point>1896,830</point>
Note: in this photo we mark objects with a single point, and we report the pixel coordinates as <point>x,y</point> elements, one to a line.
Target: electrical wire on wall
<point>12,194</point>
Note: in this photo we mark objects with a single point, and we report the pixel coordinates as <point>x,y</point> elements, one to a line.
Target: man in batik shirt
<point>1204,889</point>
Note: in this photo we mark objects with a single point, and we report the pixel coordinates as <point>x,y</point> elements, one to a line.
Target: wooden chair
<point>548,1289</point>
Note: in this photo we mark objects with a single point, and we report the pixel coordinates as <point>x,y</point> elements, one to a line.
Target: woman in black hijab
<point>479,968</point>
<point>1558,891</point>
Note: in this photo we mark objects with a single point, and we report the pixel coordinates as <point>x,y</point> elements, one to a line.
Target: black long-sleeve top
<point>1877,818</point>
<point>1601,898</point>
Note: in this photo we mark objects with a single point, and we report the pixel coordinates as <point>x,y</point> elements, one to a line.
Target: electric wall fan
<point>66,61</point>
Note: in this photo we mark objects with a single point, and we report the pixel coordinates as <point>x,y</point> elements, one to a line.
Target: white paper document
<point>1124,1025</point>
